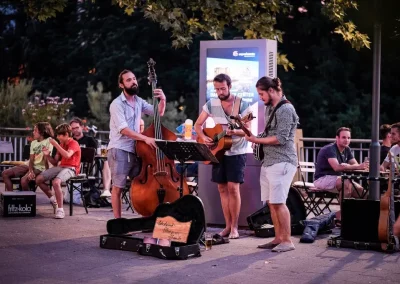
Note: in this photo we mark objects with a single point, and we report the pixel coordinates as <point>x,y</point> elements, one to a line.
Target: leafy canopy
<point>187,18</point>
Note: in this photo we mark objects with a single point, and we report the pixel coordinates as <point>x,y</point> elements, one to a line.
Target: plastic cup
<point>188,129</point>
<point>208,241</point>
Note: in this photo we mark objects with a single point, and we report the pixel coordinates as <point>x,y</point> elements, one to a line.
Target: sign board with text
<point>171,229</point>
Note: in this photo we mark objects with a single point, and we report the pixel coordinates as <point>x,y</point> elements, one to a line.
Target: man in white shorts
<point>280,160</point>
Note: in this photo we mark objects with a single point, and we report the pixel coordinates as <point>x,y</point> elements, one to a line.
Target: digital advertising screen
<point>242,65</point>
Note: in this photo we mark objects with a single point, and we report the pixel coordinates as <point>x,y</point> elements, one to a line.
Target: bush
<point>13,98</point>
<point>45,108</point>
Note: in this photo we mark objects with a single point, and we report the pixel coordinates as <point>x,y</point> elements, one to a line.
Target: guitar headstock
<point>241,121</point>
<point>152,77</point>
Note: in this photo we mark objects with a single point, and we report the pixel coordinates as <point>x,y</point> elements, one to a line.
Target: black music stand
<point>185,151</point>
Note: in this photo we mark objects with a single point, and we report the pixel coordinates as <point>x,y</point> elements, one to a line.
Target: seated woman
<point>41,133</point>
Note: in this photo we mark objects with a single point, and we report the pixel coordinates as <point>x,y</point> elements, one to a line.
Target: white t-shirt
<point>395,151</point>
<point>214,109</point>
<point>36,149</point>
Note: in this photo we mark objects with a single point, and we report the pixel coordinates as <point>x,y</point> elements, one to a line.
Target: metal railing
<point>308,152</point>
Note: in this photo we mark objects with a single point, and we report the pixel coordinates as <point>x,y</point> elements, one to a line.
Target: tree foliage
<point>13,98</point>
<point>188,18</point>
<point>98,102</point>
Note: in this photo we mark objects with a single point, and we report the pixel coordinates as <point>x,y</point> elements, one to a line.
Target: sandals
<point>219,240</point>
<point>269,245</point>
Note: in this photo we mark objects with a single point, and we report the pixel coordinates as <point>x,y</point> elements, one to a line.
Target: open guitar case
<point>185,209</point>
<point>261,222</point>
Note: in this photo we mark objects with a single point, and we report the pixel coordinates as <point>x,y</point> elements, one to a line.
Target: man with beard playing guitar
<point>229,173</point>
<point>280,159</point>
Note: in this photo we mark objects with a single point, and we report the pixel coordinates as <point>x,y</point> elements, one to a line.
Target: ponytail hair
<point>264,83</point>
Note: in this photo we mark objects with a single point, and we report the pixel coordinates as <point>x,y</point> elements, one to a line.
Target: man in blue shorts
<point>229,173</point>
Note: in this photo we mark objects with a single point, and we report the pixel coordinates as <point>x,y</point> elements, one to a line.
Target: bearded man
<point>125,116</point>
<point>229,172</point>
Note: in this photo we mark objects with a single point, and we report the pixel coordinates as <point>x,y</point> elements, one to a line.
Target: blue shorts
<point>122,164</point>
<point>230,168</point>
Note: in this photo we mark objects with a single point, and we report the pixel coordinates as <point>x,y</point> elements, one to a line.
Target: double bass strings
<point>158,133</point>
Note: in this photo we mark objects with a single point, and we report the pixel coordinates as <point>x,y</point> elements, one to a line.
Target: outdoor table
<point>362,176</point>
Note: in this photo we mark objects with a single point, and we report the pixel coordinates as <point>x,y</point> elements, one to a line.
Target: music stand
<point>185,151</point>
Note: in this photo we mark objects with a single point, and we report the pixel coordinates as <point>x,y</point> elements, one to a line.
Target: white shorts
<point>327,183</point>
<point>275,182</point>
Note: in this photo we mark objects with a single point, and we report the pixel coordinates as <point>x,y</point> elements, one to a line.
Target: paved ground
<point>44,250</point>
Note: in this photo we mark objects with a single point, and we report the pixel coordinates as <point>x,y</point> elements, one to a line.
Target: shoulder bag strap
<point>273,114</point>
<point>236,108</point>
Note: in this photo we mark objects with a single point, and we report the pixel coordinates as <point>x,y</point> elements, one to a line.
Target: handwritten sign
<point>171,229</point>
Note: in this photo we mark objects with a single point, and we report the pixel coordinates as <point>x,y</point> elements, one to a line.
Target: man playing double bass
<point>125,115</point>
<point>229,173</point>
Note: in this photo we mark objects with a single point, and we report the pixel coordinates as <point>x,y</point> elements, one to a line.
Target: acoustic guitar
<point>386,215</point>
<point>222,142</point>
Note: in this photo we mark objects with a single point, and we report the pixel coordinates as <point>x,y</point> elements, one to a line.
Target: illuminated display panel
<point>242,65</point>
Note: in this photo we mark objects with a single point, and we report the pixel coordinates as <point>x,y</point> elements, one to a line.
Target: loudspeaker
<point>360,219</point>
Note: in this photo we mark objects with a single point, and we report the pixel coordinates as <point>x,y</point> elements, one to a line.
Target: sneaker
<point>60,213</point>
<point>106,193</point>
<point>53,202</point>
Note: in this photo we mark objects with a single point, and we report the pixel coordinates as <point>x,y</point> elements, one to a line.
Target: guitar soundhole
<point>213,146</point>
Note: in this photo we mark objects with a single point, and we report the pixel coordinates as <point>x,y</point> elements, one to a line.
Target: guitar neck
<point>245,130</point>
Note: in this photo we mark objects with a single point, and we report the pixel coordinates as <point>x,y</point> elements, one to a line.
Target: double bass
<point>158,180</point>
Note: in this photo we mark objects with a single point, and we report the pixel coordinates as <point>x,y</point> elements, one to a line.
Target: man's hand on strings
<point>207,140</point>
<point>151,142</point>
<point>158,93</point>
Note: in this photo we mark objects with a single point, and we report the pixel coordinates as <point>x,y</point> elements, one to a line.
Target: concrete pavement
<point>45,250</point>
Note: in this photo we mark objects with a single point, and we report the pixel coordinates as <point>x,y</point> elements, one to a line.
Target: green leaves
<point>349,33</point>
<point>44,9</point>
<point>185,19</point>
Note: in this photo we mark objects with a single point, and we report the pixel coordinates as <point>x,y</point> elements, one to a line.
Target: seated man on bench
<point>332,160</point>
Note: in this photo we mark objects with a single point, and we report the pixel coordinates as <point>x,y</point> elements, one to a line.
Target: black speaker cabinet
<point>360,219</point>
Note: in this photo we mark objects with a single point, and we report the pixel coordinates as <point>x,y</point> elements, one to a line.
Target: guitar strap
<point>236,109</point>
<point>282,102</point>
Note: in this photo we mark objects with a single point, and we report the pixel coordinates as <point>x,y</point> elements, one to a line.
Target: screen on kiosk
<point>242,65</point>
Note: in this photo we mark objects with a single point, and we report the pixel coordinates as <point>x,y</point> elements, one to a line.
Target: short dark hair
<point>384,130</point>
<point>223,78</point>
<point>76,120</point>
<point>122,73</point>
<point>63,129</point>
<point>264,83</point>
<point>396,125</point>
<point>45,129</point>
<point>342,129</point>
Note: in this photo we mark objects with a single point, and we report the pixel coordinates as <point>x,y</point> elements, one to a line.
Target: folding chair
<point>316,200</point>
<point>76,183</point>
<point>126,194</point>
<point>193,185</point>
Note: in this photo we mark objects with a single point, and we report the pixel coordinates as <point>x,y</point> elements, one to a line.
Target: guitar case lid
<point>185,209</point>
